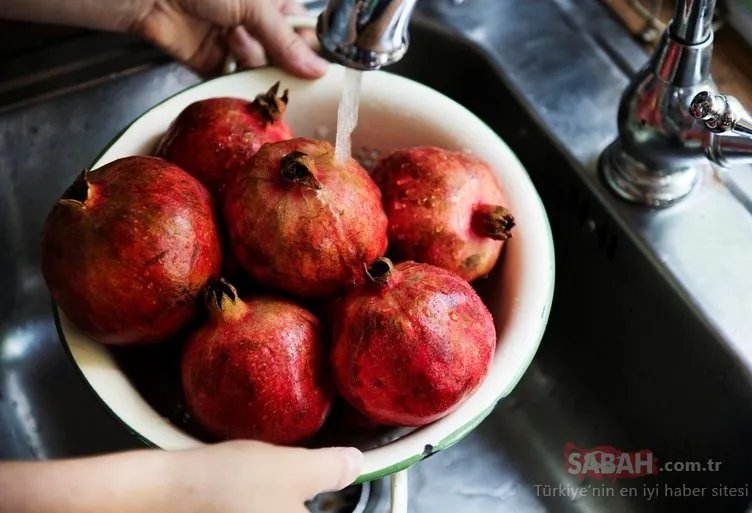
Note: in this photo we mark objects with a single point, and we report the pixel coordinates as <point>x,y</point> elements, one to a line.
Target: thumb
<point>314,471</point>
<point>283,45</point>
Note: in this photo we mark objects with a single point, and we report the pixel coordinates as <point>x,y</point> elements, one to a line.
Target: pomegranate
<point>445,208</point>
<point>128,248</point>
<point>258,369</point>
<point>301,222</point>
<point>210,137</point>
<point>411,343</point>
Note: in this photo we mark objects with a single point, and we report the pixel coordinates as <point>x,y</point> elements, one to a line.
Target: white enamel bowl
<point>394,113</point>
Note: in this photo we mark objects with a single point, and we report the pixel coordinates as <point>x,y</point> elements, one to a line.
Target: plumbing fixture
<point>730,128</point>
<point>365,34</point>
<point>659,153</point>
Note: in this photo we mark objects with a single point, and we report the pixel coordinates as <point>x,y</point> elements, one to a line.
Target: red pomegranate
<point>128,248</point>
<point>411,344</point>
<point>258,369</point>
<point>445,208</point>
<point>302,222</point>
<point>210,137</point>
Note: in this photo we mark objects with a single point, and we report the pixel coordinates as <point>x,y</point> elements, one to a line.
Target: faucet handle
<point>721,113</point>
<point>730,126</point>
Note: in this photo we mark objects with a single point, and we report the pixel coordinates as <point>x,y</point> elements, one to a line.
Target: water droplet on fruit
<point>453,316</point>
<point>438,229</point>
<point>427,312</point>
<point>401,181</point>
<point>408,195</point>
<point>398,205</point>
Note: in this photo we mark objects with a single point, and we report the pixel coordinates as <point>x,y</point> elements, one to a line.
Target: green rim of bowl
<point>445,443</point>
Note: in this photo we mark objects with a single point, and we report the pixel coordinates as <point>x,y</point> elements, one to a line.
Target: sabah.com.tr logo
<point>606,462</point>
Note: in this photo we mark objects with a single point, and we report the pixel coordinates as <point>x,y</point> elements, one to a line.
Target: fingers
<point>313,471</point>
<point>247,51</point>
<point>283,45</point>
<point>196,43</point>
<point>208,58</point>
<point>308,35</point>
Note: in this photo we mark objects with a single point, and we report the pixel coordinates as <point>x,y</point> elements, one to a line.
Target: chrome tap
<point>365,34</point>
<point>730,128</point>
<point>660,153</point>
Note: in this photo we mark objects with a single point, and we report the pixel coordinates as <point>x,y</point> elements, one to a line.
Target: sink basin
<point>626,363</point>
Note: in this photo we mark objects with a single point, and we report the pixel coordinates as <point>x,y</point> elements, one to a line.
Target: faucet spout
<point>365,34</point>
<point>729,150</point>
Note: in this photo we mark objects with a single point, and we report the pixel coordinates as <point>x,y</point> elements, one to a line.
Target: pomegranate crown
<point>380,270</point>
<point>493,221</point>
<point>78,192</point>
<point>297,168</point>
<point>218,293</point>
<point>271,106</point>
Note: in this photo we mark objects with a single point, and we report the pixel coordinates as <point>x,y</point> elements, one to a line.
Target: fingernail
<point>354,459</point>
<point>316,65</point>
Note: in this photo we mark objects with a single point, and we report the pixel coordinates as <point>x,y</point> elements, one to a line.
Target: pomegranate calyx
<point>78,192</point>
<point>221,297</point>
<point>296,168</point>
<point>380,271</point>
<point>493,221</point>
<point>271,106</point>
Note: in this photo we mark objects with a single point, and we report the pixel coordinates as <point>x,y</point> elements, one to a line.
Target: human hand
<point>229,477</point>
<point>252,477</point>
<point>201,33</point>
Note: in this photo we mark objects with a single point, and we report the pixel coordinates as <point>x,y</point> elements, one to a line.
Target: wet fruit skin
<point>258,370</point>
<point>212,136</point>
<point>411,344</point>
<point>445,208</point>
<point>128,248</point>
<point>302,223</point>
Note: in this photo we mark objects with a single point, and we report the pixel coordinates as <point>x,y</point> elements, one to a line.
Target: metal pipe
<point>693,21</point>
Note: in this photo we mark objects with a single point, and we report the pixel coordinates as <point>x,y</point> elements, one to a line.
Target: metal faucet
<point>365,34</point>
<point>664,144</point>
<point>730,128</point>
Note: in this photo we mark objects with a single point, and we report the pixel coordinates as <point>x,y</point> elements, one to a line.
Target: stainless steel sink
<point>626,362</point>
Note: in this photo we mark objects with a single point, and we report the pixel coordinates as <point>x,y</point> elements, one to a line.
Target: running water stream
<point>347,114</point>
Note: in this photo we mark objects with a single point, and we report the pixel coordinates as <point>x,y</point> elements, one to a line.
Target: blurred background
<point>732,59</point>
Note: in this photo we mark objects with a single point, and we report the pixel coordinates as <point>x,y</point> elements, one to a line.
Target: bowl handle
<point>399,492</point>
<point>295,21</point>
